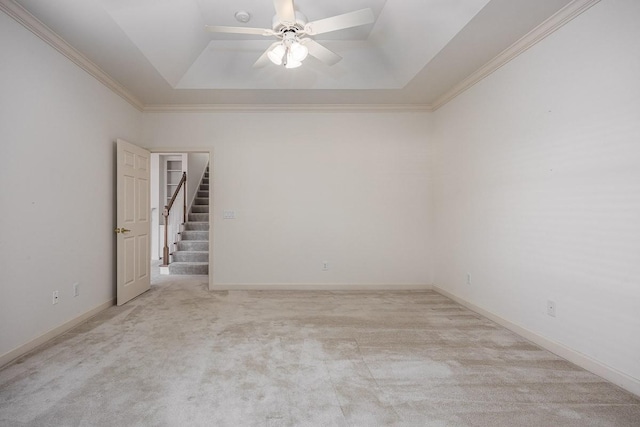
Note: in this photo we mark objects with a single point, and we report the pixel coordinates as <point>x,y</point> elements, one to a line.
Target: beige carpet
<point>180,355</point>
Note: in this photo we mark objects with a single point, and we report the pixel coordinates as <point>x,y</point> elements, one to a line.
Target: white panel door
<point>133,226</point>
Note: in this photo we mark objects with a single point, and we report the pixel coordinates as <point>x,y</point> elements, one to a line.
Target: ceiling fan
<point>292,30</point>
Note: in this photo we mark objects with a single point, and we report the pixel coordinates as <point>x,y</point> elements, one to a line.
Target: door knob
<point>121,230</point>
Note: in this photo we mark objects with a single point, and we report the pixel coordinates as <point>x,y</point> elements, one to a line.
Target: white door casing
<point>133,226</point>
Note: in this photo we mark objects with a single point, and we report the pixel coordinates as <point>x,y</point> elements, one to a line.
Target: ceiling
<point>414,53</point>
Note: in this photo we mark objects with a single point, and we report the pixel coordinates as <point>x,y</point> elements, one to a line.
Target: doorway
<point>181,180</point>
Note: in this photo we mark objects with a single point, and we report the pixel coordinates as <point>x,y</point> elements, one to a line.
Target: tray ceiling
<point>414,52</point>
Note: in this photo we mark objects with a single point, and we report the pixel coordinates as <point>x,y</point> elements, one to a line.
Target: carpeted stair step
<point>190,268</point>
<point>200,209</point>
<point>194,235</point>
<point>190,256</point>
<point>199,217</point>
<point>202,226</point>
<point>201,201</point>
<point>204,187</point>
<point>203,193</point>
<point>193,245</point>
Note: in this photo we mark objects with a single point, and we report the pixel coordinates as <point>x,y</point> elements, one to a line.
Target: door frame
<point>209,151</point>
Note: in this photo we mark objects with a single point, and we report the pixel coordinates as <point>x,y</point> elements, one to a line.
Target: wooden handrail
<point>183,181</point>
<point>167,210</point>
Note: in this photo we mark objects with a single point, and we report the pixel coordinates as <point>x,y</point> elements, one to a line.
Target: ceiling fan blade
<point>321,52</point>
<point>264,60</point>
<point>285,11</point>
<point>340,22</point>
<point>239,30</point>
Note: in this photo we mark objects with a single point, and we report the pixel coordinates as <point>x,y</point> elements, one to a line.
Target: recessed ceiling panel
<point>263,11</point>
<point>383,55</point>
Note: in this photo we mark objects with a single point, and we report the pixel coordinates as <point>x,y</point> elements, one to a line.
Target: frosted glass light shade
<point>298,52</point>
<point>276,55</point>
<point>292,63</point>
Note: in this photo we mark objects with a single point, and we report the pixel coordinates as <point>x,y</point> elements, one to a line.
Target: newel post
<point>165,250</point>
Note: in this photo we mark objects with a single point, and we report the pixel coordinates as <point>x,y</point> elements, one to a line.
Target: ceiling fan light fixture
<point>298,52</point>
<point>276,55</point>
<point>291,62</point>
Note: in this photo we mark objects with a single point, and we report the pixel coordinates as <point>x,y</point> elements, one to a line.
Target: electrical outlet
<point>55,297</point>
<point>551,308</point>
<point>468,278</point>
<point>229,215</point>
<point>325,265</point>
<point>76,289</point>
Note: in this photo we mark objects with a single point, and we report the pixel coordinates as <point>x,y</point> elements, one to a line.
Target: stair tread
<point>176,263</point>
<point>189,268</point>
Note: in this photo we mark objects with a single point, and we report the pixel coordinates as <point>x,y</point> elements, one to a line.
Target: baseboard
<point>12,355</point>
<point>598,368</point>
<point>318,287</point>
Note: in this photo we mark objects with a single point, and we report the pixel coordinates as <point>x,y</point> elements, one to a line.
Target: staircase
<point>192,251</point>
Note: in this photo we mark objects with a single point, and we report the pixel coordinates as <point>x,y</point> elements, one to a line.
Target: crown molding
<point>258,108</point>
<point>33,24</point>
<point>555,22</point>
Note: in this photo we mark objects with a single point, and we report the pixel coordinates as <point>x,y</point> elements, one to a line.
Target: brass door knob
<point>121,230</point>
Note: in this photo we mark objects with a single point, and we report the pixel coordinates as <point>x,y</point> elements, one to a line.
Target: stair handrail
<point>167,210</point>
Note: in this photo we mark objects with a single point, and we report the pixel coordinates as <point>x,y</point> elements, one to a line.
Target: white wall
<point>57,131</point>
<point>537,189</point>
<point>350,188</point>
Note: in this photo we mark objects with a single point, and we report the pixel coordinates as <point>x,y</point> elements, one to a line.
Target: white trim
<point>559,19</point>
<point>30,22</point>
<point>607,372</point>
<point>258,108</point>
<point>318,287</point>
<point>12,355</point>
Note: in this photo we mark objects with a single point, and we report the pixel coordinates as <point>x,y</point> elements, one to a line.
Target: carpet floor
<point>180,355</point>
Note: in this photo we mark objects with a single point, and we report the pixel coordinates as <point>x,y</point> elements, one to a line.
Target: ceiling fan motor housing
<point>280,28</point>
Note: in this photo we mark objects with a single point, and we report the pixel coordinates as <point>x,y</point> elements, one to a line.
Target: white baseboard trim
<point>318,287</point>
<point>607,372</point>
<point>12,355</point>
